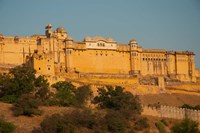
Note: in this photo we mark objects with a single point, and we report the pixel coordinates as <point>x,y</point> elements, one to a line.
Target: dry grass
<point>170,99</point>
<point>26,124</point>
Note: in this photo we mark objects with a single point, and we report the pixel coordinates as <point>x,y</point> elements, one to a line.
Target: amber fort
<point>56,52</point>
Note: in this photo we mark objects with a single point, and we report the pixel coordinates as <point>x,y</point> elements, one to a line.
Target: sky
<point>161,24</point>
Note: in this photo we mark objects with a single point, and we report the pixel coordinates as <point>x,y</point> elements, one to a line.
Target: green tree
<point>117,99</point>
<point>70,122</point>
<point>27,105</point>
<point>115,122</point>
<point>42,92</point>
<point>186,126</point>
<point>83,94</point>
<point>18,81</point>
<point>141,123</point>
<point>57,124</point>
<point>63,85</point>
<point>187,106</point>
<point>41,81</point>
<point>5,83</point>
<point>65,95</point>
<point>22,81</point>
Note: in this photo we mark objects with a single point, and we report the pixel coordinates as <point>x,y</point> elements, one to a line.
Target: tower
<point>135,57</point>
<point>48,31</point>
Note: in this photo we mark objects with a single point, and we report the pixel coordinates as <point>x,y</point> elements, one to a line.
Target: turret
<point>48,31</point>
<point>135,57</point>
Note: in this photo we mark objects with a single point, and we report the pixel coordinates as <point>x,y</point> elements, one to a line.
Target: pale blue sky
<point>163,24</point>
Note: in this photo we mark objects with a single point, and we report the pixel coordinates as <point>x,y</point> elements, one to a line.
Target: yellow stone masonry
<point>56,52</point>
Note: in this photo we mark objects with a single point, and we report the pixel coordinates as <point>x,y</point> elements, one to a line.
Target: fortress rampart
<point>172,112</point>
<point>56,52</point>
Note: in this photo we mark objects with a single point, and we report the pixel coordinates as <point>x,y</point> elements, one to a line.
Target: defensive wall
<point>171,112</point>
<point>57,53</point>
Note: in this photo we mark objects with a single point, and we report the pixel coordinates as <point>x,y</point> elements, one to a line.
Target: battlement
<point>171,112</point>
<point>181,52</point>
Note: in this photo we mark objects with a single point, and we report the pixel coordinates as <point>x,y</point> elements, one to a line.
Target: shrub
<point>83,94</point>
<point>85,118</point>
<point>186,126</point>
<point>197,107</point>
<point>65,95</point>
<point>18,81</point>
<point>115,122</point>
<point>26,105</point>
<point>41,81</point>
<point>4,82</point>
<point>141,123</point>
<point>64,85</point>
<point>161,127</point>
<point>186,106</point>
<point>117,99</point>
<point>43,94</point>
<point>6,127</point>
<point>68,122</point>
<point>22,81</point>
<point>9,99</point>
<point>164,122</point>
<point>57,124</point>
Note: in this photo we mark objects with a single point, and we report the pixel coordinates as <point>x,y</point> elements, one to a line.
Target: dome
<point>87,38</point>
<point>133,41</point>
<point>69,38</point>
<point>60,30</point>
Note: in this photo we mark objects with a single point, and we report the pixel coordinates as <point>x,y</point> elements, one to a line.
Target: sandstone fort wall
<point>172,112</point>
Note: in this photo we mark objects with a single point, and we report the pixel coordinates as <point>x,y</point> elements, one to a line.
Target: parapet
<point>99,38</point>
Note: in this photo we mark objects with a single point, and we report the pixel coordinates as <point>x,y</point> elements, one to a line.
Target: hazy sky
<point>163,24</point>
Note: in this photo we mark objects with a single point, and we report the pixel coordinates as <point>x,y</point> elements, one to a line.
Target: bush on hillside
<point>64,85</point>
<point>26,105</point>
<point>65,95</point>
<point>117,99</point>
<point>6,127</point>
<point>115,122</point>
<point>141,123</point>
<point>83,94</point>
<point>186,126</point>
<point>187,106</point>
<point>77,120</point>
<point>20,80</point>
<point>161,127</point>
<point>57,124</point>
<point>9,99</point>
